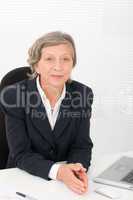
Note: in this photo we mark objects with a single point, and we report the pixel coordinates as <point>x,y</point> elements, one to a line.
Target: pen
<point>25,196</point>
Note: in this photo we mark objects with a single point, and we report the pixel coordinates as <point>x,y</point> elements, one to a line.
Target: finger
<point>77,189</point>
<point>81,166</point>
<point>78,181</point>
<point>77,174</point>
<point>83,177</point>
<point>80,172</point>
<point>76,184</point>
<point>76,167</point>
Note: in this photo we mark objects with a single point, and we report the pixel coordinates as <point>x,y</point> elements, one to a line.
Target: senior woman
<point>48,115</point>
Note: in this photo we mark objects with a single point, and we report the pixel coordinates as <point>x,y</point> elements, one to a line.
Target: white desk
<point>23,182</point>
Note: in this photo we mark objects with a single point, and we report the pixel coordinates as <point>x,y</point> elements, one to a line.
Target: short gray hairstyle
<point>49,39</point>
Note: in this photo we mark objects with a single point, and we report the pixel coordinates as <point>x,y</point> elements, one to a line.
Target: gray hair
<point>49,39</point>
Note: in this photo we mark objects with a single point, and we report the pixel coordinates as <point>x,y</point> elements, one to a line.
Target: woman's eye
<point>49,58</point>
<point>66,59</point>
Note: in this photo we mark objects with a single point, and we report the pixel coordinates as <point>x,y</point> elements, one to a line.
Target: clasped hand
<point>74,177</point>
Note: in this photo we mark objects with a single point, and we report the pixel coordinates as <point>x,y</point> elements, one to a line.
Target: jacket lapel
<point>39,117</point>
<point>63,118</point>
<point>38,113</point>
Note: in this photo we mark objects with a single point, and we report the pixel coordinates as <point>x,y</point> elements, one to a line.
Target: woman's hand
<point>74,176</point>
<point>81,174</point>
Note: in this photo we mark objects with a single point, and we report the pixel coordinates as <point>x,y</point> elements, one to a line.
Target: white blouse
<point>52,114</point>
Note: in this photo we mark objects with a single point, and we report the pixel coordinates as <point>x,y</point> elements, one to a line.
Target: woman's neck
<point>51,92</point>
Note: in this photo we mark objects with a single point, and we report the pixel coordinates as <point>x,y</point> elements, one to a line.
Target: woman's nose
<point>58,65</point>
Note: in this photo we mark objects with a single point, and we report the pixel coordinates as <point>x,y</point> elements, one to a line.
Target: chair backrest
<point>11,77</point>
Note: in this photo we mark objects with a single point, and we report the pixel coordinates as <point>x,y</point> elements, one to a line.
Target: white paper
<point>8,193</point>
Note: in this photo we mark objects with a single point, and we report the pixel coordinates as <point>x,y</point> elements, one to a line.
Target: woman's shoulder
<point>15,85</point>
<point>78,86</point>
<point>82,93</point>
<point>9,93</point>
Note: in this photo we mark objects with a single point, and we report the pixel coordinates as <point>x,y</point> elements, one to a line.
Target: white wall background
<point>103,32</point>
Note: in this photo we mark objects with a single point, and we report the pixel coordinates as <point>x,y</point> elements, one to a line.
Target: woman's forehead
<point>65,48</point>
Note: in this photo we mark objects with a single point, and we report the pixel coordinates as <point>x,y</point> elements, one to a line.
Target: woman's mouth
<point>57,76</point>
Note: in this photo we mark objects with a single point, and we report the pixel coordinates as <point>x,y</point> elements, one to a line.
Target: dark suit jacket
<point>34,146</point>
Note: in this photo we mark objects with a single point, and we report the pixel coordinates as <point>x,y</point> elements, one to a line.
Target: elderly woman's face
<point>55,64</point>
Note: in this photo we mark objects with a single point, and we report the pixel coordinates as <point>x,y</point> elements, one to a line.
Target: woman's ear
<point>37,68</point>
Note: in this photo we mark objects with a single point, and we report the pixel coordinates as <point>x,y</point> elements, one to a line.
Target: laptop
<point>119,174</point>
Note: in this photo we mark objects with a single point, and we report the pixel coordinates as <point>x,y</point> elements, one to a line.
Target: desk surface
<point>20,181</point>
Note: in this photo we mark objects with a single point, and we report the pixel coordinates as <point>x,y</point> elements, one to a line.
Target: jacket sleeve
<point>81,148</point>
<point>17,137</point>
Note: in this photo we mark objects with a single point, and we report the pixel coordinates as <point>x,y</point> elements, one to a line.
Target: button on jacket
<point>33,145</point>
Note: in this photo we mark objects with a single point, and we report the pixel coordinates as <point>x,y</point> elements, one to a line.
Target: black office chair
<point>11,77</point>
